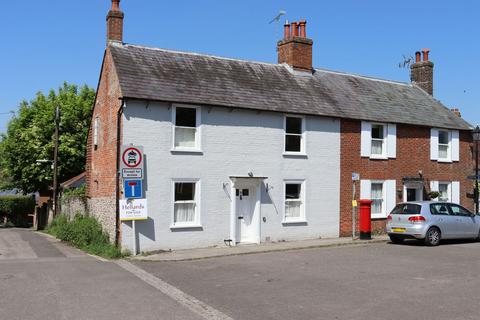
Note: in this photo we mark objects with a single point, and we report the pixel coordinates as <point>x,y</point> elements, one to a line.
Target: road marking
<point>192,303</point>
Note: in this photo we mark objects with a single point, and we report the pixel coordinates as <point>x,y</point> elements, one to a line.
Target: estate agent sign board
<point>133,209</point>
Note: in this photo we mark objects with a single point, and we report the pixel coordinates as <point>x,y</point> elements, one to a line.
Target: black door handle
<point>240,217</point>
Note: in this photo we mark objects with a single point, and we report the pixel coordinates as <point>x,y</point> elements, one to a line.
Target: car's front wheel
<point>433,236</point>
<point>395,239</point>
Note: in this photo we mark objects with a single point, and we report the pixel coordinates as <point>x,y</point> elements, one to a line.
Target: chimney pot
<point>286,30</point>
<point>303,28</point>
<point>115,5</point>
<point>417,56</point>
<point>294,29</point>
<point>425,54</point>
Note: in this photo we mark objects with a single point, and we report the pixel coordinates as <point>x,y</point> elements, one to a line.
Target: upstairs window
<point>186,127</point>
<point>294,139</point>
<point>443,144</point>
<point>378,139</point>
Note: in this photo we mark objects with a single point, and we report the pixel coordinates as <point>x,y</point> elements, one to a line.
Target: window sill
<point>378,217</point>
<point>186,226</point>
<point>298,221</point>
<point>186,151</point>
<point>445,160</point>
<point>295,154</point>
<point>375,157</point>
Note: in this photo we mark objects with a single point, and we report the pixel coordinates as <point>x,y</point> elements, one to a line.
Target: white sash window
<point>186,127</point>
<point>185,204</point>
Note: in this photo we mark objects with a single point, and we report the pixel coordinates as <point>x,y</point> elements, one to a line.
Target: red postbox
<point>365,219</point>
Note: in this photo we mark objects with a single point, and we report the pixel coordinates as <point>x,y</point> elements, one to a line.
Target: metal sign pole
<point>354,221</point>
<point>134,236</point>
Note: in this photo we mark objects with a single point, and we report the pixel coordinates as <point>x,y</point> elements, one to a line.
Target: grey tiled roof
<point>157,74</point>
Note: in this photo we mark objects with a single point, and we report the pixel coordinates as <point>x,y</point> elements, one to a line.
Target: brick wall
<point>413,154</point>
<point>101,160</point>
<point>296,52</point>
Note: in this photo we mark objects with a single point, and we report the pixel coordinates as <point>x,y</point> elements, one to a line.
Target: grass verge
<point>86,234</point>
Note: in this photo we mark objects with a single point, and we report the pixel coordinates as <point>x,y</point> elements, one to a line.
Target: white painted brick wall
<point>233,143</point>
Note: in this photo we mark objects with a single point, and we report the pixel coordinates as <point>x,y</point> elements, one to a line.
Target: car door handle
<point>240,217</point>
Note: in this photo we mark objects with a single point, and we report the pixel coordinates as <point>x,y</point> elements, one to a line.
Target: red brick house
<point>305,131</point>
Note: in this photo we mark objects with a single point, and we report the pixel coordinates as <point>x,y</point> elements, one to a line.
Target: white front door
<point>245,209</point>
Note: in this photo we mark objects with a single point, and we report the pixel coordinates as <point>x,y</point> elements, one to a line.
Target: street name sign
<point>133,209</point>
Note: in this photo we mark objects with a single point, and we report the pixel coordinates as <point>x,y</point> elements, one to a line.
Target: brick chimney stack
<point>457,112</point>
<point>422,72</point>
<point>295,49</point>
<point>115,23</point>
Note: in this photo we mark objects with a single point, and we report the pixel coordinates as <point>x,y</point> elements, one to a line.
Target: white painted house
<point>219,174</point>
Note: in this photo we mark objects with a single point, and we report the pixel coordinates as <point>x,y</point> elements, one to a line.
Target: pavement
<point>225,251</point>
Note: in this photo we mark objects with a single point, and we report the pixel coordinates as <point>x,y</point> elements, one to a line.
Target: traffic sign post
<point>133,189</point>
<point>131,158</point>
<point>134,206</point>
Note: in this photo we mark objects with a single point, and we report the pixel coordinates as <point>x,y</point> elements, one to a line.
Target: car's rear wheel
<point>395,239</point>
<point>433,236</point>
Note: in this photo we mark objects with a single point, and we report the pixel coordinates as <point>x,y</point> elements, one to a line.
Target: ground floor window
<point>377,197</point>
<point>444,192</point>
<point>185,211</point>
<point>294,201</point>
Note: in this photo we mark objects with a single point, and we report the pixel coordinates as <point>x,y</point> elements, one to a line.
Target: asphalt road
<point>377,281</point>
<point>41,278</point>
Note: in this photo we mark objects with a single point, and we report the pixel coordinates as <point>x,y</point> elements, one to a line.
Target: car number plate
<point>398,229</point>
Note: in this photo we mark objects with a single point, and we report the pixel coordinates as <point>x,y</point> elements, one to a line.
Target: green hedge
<point>84,233</point>
<point>17,208</point>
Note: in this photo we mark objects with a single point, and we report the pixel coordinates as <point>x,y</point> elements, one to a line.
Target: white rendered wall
<point>233,143</point>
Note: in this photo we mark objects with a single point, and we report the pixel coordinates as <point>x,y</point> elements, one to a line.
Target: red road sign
<point>132,157</point>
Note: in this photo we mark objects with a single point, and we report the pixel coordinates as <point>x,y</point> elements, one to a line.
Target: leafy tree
<point>30,137</point>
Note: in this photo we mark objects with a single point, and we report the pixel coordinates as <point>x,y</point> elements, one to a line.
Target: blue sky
<point>47,42</point>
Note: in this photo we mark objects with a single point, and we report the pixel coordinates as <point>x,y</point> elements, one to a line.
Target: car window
<point>459,211</point>
<point>439,209</point>
<point>406,208</point>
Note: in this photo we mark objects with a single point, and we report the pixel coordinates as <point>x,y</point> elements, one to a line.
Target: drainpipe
<point>117,181</point>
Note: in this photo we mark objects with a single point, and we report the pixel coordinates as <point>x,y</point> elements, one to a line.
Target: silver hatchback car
<point>432,221</point>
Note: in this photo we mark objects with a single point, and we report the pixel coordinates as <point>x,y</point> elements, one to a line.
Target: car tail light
<point>389,218</point>
<point>416,219</point>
